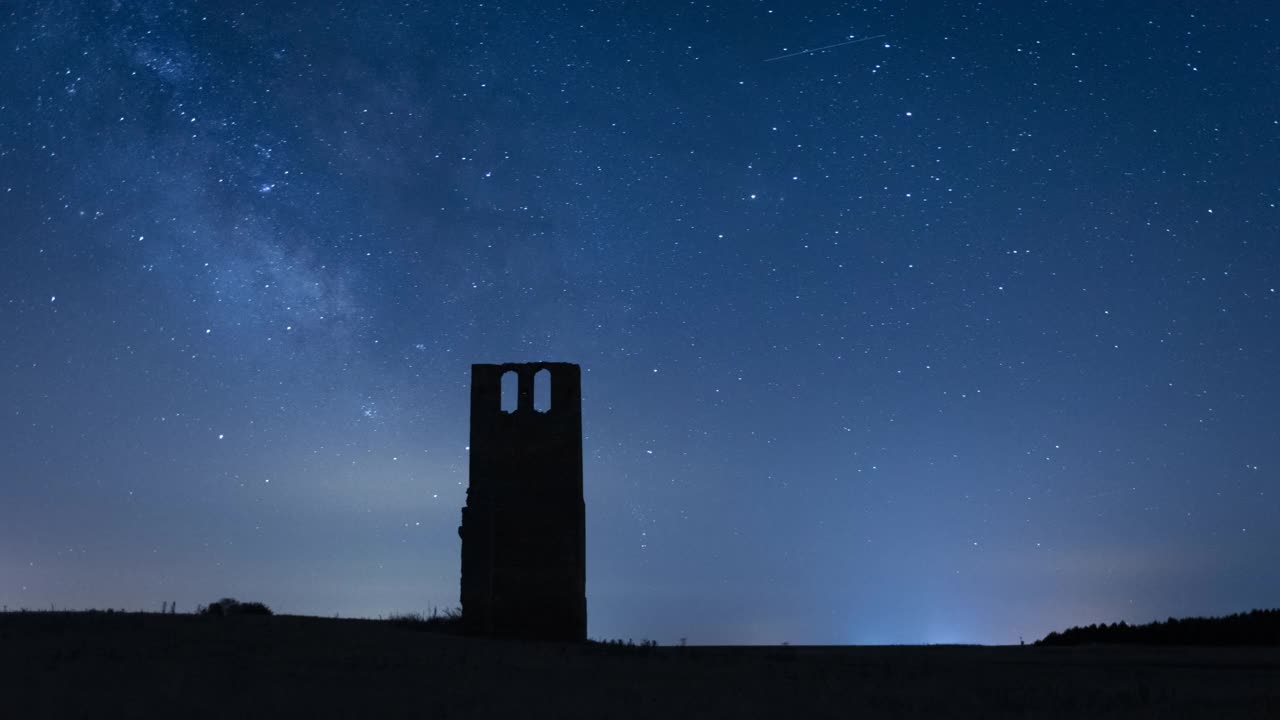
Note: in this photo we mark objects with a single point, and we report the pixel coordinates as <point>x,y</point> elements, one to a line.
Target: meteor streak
<point>824,47</point>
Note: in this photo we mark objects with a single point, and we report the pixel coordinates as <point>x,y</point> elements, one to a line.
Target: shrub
<point>618,645</point>
<point>449,621</point>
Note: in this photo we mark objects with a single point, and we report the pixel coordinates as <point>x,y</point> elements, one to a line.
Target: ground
<point>59,665</point>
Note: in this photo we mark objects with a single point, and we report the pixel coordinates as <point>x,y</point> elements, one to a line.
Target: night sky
<point>964,332</point>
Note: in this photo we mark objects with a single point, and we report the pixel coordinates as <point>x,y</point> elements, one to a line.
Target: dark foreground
<point>56,665</point>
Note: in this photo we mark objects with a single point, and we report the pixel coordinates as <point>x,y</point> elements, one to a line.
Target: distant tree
<point>252,608</point>
<point>230,606</point>
<point>220,608</point>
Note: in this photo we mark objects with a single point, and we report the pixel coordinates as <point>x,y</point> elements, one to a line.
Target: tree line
<point>1257,627</point>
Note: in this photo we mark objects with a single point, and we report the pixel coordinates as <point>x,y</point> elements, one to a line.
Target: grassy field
<point>81,665</point>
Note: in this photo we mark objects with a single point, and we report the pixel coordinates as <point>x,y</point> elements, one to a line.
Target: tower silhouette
<point>524,525</point>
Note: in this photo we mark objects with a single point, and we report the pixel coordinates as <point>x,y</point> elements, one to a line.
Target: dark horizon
<point>960,334</point>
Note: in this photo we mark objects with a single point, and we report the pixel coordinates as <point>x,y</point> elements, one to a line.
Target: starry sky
<point>962,332</point>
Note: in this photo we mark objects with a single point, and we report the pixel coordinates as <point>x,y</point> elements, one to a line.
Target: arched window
<point>510,391</point>
<point>542,390</point>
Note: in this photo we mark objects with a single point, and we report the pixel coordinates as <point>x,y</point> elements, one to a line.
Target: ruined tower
<point>524,526</point>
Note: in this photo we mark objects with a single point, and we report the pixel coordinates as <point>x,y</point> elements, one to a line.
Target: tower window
<point>510,391</point>
<point>542,390</point>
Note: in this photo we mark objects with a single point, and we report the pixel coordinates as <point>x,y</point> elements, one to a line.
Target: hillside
<point>64,665</point>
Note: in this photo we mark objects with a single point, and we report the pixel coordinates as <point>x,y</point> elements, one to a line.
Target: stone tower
<point>524,526</point>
